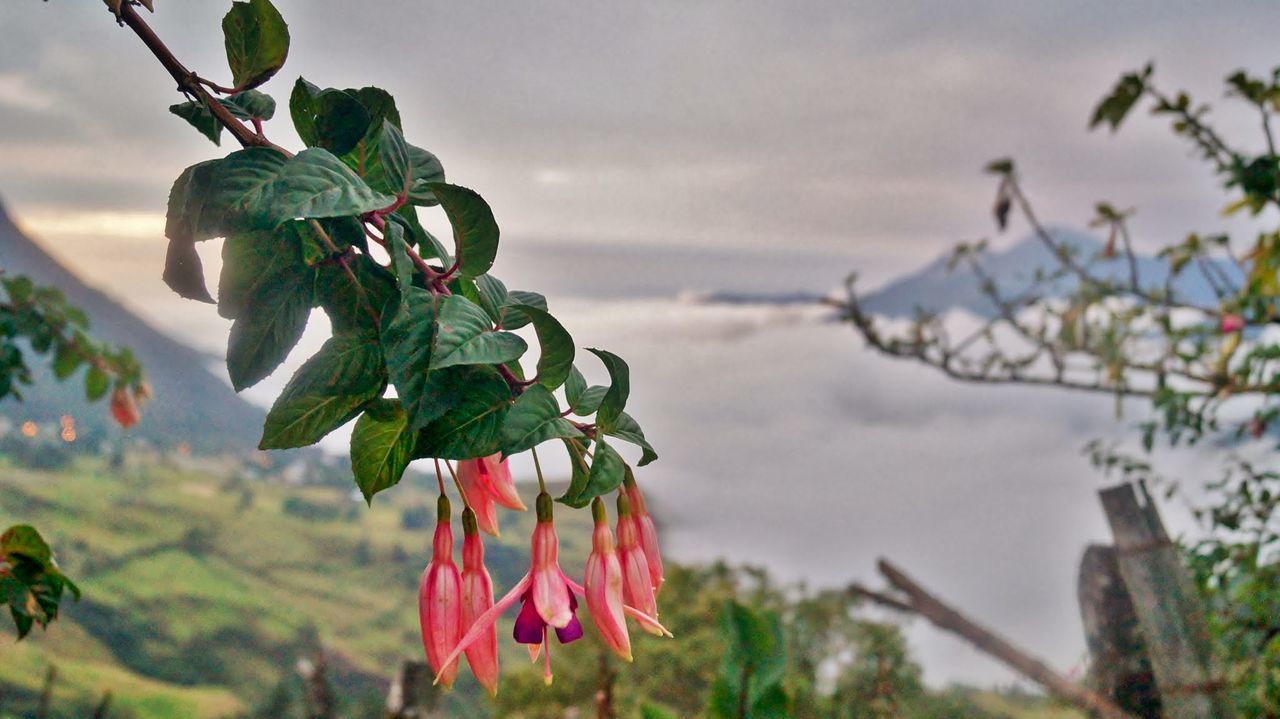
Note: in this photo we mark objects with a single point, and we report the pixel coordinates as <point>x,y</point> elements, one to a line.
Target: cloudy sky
<point>635,150</point>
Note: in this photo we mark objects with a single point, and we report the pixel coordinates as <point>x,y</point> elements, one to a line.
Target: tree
<point>36,320</point>
<point>1190,333</point>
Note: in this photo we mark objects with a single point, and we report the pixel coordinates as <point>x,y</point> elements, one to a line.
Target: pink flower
<point>494,475</point>
<point>477,598</point>
<point>604,585</point>
<point>1232,323</point>
<point>648,531</point>
<point>440,599</point>
<point>637,584</point>
<point>548,601</point>
<point>476,494</point>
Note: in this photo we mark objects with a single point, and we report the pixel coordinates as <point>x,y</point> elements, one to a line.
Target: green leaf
<point>199,117</point>
<point>314,183</point>
<point>607,472</point>
<point>1113,108</point>
<point>257,42</point>
<point>239,187</point>
<point>381,447</point>
<point>407,341</point>
<point>399,251</point>
<point>615,399</point>
<point>184,272</point>
<point>261,338</point>
<point>325,393</point>
<point>303,107</point>
<point>357,295</point>
<point>580,472</point>
<point>534,419</point>
<point>473,428</point>
<point>427,170</point>
<point>512,319</point>
<point>465,336</point>
<point>23,540</point>
<point>416,235</point>
<point>393,154</point>
<point>96,384</point>
<point>189,217</point>
<point>628,430</point>
<point>66,361</point>
<point>590,400</point>
<point>653,711</point>
<point>555,363</point>
<point>341,122</point>
<point>250,105</point>
<point>475,232</point>
<point>250,261</point>
<point>489,292</point>
<point>574,385</point>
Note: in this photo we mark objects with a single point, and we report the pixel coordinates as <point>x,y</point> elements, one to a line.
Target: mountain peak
<point>192,405</point>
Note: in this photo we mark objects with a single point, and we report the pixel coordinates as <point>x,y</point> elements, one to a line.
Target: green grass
<point>196,606</point>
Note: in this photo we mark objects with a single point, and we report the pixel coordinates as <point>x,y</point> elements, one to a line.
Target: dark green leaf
<point>184,272</point>
<point>590,400</point>
<point>465,335</point>
<point>427,170</point>
<point>399,251</point>
<point>393,154</point>
<point>261,338</point>
<point>303,108</point>
<point>407,341</point>
<point>199,117</point>
<point>555,363</point>
<point>615,399</point>
<point>607,472</point>
<point>250,105</point>
<point>325,393</point>
<point>489,292</point>
<point>475,232</point>
<point>510,318</point>
<point>240,190</point>
<point>473,428</point>
<point>250,261</point>
<point>628,430</point>
<point>189,217</point>
<point>381,447</point>
<point>574,385</point>
<point>534,419</point>
<point>257,42</point>
<point>356,294</point>
<point>314,183</point>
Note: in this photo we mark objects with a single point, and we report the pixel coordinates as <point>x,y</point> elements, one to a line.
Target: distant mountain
<point>191,404</point>
<point>935,288</point>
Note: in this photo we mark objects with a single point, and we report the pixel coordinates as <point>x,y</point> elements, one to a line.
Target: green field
<point>202,590</point>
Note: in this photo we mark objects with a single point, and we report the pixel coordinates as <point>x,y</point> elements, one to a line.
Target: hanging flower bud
<point>440,599</point>
<point>477,598</point>
<point>603,583</point>
<point>124,409</point>
<point>637,585</point>
<point>648,530</point>
<point>494,474</point>
<point>1232,323</point>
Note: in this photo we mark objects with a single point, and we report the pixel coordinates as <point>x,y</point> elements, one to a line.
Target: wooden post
<point>1118,663</point>
<point>413,694</point>
<point>1169,609</point>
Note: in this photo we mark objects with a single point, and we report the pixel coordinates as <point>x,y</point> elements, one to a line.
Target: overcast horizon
<point>727,145</point>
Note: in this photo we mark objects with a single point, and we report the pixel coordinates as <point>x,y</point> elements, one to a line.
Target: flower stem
<point>542,484</point>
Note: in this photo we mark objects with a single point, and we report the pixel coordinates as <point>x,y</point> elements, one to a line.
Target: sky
<point>634,152</point>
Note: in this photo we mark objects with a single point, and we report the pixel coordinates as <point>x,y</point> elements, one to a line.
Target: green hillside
<point>203,589</point>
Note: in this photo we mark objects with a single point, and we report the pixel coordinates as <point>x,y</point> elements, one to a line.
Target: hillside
<point>201,592</point>
<point>193,405</point>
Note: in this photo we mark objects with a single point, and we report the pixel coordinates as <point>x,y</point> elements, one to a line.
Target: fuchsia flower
<point>637,584</point>
<point>477,598</point>
<point>1232,323</point>
<point>440,599</point>
<point>604,585</point>
<point>648,531</point>
<point>548,601</point>
<point>486,482</point>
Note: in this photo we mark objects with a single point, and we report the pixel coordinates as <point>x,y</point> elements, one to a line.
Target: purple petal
<point>570,632</point>
<point>530,628</point>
